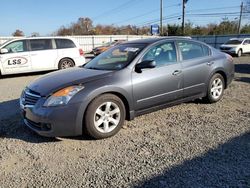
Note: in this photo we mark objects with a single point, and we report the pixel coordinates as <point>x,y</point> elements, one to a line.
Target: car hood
<point>49,83</point>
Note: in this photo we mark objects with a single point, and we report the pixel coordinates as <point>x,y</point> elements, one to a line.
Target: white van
<point>39,54</point>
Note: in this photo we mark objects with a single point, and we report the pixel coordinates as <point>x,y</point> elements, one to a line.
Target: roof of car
<point>240,39</point>
<point>156,39</point>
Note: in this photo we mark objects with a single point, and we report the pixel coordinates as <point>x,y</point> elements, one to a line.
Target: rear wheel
<point>66,63</point>
<point>104,116</point>
<point>215,88</point>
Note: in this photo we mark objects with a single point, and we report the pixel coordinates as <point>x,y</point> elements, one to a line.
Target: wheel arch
<point>222,73</point>
<point>118,94</point>
<point>58,64</point>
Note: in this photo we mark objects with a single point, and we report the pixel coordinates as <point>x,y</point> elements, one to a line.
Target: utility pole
<point>183,17</point>
<point>241,10</point>
<point>161,17</point>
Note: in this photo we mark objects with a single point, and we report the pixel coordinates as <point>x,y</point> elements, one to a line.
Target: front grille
<point>29,97</point>
<point>37,126</point>
<point>225,48</point>
<point>33,124</point>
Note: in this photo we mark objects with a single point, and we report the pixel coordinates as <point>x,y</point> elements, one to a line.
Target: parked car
<point>98,50</point>
<point>236,46</point>
<point>39,54</point>
<point>128,80</point>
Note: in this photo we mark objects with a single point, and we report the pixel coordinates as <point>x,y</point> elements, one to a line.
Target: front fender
<point>90,96</point>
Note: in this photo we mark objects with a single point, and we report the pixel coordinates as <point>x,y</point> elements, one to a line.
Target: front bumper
<point>231,52</point>
<point>53,121</point>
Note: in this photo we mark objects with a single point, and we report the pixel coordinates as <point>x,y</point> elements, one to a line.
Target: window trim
<point>25,45</point>
<point>146,50</point>
<point>56,45</point>
<point>29,44</point>
<point>194,42</point>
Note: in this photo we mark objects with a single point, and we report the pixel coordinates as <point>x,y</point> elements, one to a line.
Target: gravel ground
<point>189,145</point>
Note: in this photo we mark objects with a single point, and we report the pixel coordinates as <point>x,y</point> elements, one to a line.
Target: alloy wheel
<point>107,117</point>
<point>216,88</point>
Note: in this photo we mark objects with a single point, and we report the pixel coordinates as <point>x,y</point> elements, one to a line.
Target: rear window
<point>64,43</point>
<point>192,50</point>
<point>206,50</point>
<point>40,44</point>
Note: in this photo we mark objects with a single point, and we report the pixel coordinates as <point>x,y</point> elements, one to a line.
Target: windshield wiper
<point>92,68</point>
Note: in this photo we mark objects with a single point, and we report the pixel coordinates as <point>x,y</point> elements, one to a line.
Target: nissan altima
<point>126,81</point>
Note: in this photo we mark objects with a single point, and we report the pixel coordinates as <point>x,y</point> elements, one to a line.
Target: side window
<point>191,50</point>
<point>247,42</point>
<point>162,54</point>
<point>16,46</point>
<point>40,44</point>
<point>64,43</point>
<point>206,50</point>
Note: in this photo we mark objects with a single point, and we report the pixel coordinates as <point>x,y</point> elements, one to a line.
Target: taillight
<point>81,52</point>
<point>229,58</point>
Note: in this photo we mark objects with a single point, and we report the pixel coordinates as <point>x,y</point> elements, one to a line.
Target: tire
<point>215,88</point>
<point>104,117</point>
<point>66,63</point>
<point>239,53</point>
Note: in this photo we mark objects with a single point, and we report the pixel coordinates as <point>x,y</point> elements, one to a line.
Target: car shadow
<point>242,68</point>
<point>243,79</point>
<point>12,126</point>
<point>228,165</point>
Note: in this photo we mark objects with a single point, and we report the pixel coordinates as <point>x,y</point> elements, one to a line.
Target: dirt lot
<point>189,145</point>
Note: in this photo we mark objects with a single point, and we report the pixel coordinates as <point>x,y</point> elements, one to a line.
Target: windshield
<point>116,58</point>
<point>234,42</point>
<point>5,42</point>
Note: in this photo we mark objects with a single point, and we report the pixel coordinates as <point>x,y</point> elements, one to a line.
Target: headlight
<point>63,96</point>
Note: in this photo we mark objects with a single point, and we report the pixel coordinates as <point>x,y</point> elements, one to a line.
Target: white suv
<point>236,46</point>
<point>39,54</point>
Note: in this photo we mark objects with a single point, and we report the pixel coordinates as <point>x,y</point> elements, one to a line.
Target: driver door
<point>161,84</point>
<point>17,60</point>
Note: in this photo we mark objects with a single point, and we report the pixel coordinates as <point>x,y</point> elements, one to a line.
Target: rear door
<point>161,84</point>
<point>66,48</point>
<point>17,60</point>
<point>197,64</point>
<point>43,54</point>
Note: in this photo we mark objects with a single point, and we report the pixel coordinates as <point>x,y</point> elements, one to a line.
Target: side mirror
<point>148,64</point>
<point>4,51</point>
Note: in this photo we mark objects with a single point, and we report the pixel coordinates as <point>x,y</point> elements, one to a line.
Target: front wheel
<point>104,116</point>
<point>239,53</point>
<point>215,88</point>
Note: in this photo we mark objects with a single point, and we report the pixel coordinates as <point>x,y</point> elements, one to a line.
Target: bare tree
<point>18,33</point>
<point>35,34</point>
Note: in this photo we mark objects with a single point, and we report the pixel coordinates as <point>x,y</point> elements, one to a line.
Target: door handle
<point>176,72</point>
<point>210,63</point>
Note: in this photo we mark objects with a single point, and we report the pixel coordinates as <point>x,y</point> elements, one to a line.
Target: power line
<point>214,14</point>
<point>111,11</point>
<point>218,8</point>
<point>144,14</point>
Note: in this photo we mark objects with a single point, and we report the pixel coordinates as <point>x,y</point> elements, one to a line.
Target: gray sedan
<point>128,80</point>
